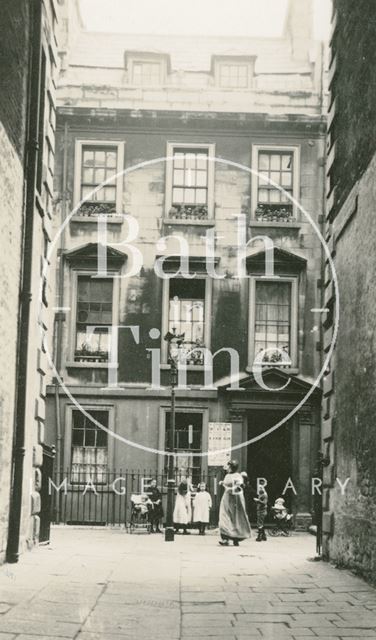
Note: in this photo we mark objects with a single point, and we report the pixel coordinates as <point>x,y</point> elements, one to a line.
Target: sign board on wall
<point>219,437</point>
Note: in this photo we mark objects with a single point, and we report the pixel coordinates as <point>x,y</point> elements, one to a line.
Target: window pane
<point>89,438</point>
<point>263,161</point>
<point>201,178</point>
<point>109,194</point>
<point>99,158</point>
<point>78,437</point>
<point>190,160</point>
<point>201,196</point>
<point>275,162</point>
<point>85,192</point>
<point>287,162</point>
<point>101,290</point>
<point>202,161</point>
<point>83,288</point>
<point>275,196</point>
<point>179,160</point>
<point>178,177</point>
<point>177,195</point>
<point>88,176</point>
<point>263,195</point>
<point>109,173</point>
<point>189,196</point>
<point>88,157</point>
<point>111,159</point>
<point>286,179</point>
<point>99,176</point>
<point>189,178</point>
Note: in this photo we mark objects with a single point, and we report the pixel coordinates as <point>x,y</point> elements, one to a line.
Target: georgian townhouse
<point>187,139</point>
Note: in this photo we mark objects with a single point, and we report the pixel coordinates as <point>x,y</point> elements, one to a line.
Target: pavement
<point>104,584</point>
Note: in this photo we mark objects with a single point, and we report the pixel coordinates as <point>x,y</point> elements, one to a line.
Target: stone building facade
<point>348,432</point>
<point>187,125</point>
<point>27,125</point>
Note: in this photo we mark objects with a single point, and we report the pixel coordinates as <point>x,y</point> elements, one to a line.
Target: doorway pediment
<point>281,385</point>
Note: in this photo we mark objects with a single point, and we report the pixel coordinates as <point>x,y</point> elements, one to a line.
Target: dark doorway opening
<point>270,457</point>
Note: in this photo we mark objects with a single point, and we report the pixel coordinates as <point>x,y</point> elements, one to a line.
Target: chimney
<point>299,28</point>
<point>70,26</point>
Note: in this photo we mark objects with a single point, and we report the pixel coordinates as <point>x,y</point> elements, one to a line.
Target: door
<point>271,456</point>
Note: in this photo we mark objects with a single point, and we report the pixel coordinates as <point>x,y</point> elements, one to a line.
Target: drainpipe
<point>31,155</point>
<point>60,316</point>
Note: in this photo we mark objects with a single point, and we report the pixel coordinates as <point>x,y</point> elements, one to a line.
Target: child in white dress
<point>202,504</point>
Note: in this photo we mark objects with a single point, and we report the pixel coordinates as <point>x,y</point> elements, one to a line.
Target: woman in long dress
<point>182,511</point>
<point>233,520</point>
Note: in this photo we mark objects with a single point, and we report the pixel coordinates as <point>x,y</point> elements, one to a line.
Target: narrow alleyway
<point>107,585</point>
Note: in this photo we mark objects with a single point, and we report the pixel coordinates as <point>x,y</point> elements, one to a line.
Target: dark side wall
<point>14,46</point>
<point>354,89</point>
<point>349,407</point>
<point>14,35</point>
<point>353,536</point>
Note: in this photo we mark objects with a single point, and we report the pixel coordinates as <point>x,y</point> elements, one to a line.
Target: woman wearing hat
<point>233,520</point>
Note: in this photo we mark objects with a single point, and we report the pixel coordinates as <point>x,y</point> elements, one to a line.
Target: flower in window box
<point>85,349</point>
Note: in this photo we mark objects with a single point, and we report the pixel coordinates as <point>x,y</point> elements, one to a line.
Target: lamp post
<point>174,342</point>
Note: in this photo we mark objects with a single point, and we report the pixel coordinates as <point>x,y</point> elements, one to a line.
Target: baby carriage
<point>281,518</point>
<point>140,506</point>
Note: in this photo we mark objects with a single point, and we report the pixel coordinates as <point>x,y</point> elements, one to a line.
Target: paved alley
<point>108,585</point>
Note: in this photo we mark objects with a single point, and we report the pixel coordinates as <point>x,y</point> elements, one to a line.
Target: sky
<point>197,17</point>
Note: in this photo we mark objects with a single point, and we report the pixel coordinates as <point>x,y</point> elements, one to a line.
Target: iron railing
<point>85,502</point>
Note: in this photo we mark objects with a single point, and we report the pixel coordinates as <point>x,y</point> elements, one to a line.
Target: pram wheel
<point>273,532</point>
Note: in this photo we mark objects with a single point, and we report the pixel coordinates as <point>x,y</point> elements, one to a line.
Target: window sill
<point>112,218</point>
<point>210,222</point>
<point>275,224</point>
<point>90,365</point>
<point>189,367</point>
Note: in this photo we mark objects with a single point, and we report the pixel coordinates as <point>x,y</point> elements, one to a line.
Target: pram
<point>140,507</point>
<point>281,518</point>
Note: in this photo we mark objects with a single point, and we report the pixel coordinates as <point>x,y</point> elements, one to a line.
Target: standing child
<point>261,509</point>
<point>156,509</point>
<point>182,511</point>
<point>202,504</point>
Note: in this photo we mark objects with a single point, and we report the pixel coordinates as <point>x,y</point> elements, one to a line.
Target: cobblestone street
<point>108,585</point>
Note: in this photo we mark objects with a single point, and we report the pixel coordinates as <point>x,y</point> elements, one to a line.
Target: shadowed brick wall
<point>349,408</point>
<point>13,83</point>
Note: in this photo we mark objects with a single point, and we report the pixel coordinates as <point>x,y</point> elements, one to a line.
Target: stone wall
<point>13,70</point>
<point>349,431</point>
<point>11,193</point>
<point>16,75</point>
<point>353,95</point>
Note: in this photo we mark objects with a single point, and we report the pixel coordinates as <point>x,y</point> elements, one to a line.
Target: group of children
<point>202,503</point>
